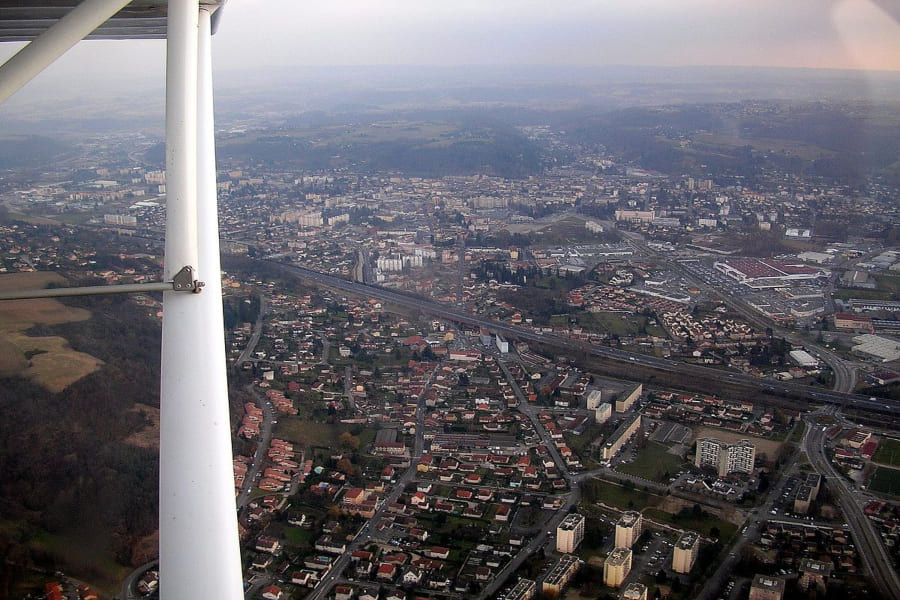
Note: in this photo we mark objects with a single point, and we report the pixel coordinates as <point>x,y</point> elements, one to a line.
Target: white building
<point>617,567</point>
<point>685,553</point>
<point>876,347</point>
<point>804,359</point>
<point>603,413</point>
<point>594,399</point>
<point>726,458</point>
<point>628,529</point>
<point>569,533</point>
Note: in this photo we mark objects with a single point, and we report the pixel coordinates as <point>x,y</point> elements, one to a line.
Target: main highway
<point>777,388</point>
<point>871,549</point>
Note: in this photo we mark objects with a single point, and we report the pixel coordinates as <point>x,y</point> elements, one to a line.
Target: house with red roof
<point>386,572</point>
<point>272,592</point>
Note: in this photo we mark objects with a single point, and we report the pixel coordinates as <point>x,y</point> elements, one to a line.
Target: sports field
<point>885,480</point>
<point>888,452</point>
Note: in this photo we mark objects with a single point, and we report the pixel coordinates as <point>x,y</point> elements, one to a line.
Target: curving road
<point>874,557</point>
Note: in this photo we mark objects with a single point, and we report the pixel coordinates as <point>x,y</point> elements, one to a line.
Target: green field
<point>297,536</point>
<point>704,524</point>
<point>616,495</point>
<point>653,463</point>
<point>797,433</point>
<point>847,294</point>
<point>885,480</point>
<point>888,452</point>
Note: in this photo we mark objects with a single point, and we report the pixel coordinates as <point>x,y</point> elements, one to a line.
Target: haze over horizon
<point>271,35</point>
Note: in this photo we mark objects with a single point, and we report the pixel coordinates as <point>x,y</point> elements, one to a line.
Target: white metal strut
<point>199,546</point>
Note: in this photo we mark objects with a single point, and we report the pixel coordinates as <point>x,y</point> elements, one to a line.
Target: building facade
<point>617,567</point>
<point>628,529</point>
<point>569,533</point>
<point>724,457</point>
<point>685,553</point>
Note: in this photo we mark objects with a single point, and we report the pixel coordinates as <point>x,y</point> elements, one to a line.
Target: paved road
<point>874,557</point>
<point>716,582</point>
<point>845,372</point>
<point>363,536</point>
<point>257,332</point>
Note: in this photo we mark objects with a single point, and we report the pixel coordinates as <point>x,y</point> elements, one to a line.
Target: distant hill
<point>842,143</point>
<point>413,147</point>
<point>32,150</point>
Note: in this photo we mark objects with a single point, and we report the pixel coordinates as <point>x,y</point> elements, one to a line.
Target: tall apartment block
<point>628,529</point>
<point>617,567</point>
<point>569,533</point>
<point>726,458</point>
<point>685,552</point>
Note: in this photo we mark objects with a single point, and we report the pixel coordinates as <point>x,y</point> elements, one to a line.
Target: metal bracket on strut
<point>184,281</point>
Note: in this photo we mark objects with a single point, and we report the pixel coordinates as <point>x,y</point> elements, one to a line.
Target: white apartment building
<point>569,533</point>
<point>726,458</point>
<point>628,529</point>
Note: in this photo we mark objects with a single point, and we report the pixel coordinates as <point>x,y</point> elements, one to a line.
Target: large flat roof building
<point>525,589</point>
<point>766,587</point>
<point>634,591</point>
<point>766,273</point>
<point>814,574</point>
<point>627,398</point>
<point>621,435</point>
<point>685,553</point>
<point>594,399</point>
<point>560,574</point>
<point>603,413</point>
<point>807,493</point>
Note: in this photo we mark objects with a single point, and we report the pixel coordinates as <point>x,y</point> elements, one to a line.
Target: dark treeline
<point>65,464</point>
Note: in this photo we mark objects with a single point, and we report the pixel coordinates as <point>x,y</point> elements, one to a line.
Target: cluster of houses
<point>614,298</point>
<point>886,518</point>
<point>785,544</point>
<point>704,409</point>
<point>853,447</point>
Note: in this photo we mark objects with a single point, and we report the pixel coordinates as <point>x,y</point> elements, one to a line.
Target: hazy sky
<point>851,34</point>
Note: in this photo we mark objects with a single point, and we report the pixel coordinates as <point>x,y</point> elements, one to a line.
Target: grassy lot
<point>889,283</point>
<point>616,495</point>
<point>309,433</point>
<point>612,323</point>
<point>47,360</point>
<point>728,142</point>
<point>85,561</point>
<point>297,536</point>
<point>847,294</point>
<point>797,434</point>
<point>652,463</point>
<point>703,524</point>
<point>888,452</point>
<point>885,480</point>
